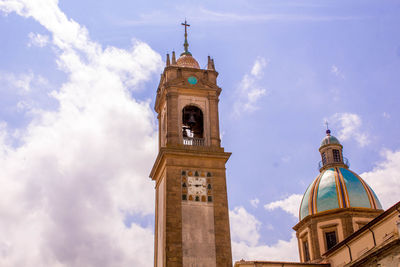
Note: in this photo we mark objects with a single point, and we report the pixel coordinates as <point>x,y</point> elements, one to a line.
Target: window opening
<point>330,239</point>
<point>336,155</point>
<point>306,251</point>
<point>323,158</point>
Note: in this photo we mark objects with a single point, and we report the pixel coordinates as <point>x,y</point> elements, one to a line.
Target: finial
<point>168,62</point>
<point>209,64</point>
<point>328,132</point>
<point>173,58</point>
<point>186,44</point>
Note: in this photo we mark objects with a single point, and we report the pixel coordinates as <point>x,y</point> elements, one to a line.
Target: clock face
<point>197,186</point>
<point>192,80</point>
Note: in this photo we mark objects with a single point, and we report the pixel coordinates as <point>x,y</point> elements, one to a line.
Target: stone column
<point>172,119</point>
<point>214,121</point>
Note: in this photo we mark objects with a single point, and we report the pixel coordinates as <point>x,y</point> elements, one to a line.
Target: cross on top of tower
<point>186,25</point>
<point>186,44</point>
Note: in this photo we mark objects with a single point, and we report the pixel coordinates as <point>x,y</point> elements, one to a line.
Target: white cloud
<point>281,251</point>
<point>22,81</point>
<point>245,240</point>
<point>23,93</point>
<point>80,169</point>
<point>255,202</point>
<point>291,204</point>
<point>335,70</point>
<point>244,226</point>
<point>37,39</point>
<point>384,178</point>
<point>258,67</point>
<point>248,92</point>
<point>350,128</point>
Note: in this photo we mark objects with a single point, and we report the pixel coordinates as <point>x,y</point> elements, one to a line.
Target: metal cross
<point>327,125</point>
<point>186,25</point>
<point>186,44</point>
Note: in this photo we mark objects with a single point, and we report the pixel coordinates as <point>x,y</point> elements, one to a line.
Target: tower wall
<point>192,216</point>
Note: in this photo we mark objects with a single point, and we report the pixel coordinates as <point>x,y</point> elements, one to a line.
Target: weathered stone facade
<point>192,229</point>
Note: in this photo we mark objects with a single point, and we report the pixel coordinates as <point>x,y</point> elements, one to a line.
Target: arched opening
<point>192,126</point>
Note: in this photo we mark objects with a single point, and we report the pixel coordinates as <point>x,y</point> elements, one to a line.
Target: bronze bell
<point>192,120</point>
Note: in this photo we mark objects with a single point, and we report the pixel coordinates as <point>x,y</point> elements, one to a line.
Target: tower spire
<point>186,44</point>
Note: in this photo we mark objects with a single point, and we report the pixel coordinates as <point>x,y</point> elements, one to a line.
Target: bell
<point>191,120</point>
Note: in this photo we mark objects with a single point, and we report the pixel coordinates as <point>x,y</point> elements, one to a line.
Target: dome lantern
<point>331,153</point>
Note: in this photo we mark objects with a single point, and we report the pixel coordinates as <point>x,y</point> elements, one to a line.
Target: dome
<point>337,188</point>
<point>329,139</point>
<point>186,60</point>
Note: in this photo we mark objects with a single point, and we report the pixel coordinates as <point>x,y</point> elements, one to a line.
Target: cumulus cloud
<point>22,93</point>
<point>384,178</point>
<point>291,204</point>
<point>37,39</point>
<point>245,240</point>
<point>350,128</point>
<point>249,92</point>
<point>281,251</point>
<point>258,67</point>
<point>82,168</point>
<point>245,227</point>
<point>23,82</point>
<point>255,202</point>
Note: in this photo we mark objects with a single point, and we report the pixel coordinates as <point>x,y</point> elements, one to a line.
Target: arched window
<point>192,122</point>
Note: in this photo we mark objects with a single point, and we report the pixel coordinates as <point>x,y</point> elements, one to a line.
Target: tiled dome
<point>186,60</point>
<point>335,188</point>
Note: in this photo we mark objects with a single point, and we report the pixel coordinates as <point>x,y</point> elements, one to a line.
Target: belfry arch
<point>192,122</point>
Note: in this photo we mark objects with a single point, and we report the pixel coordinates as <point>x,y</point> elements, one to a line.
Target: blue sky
<point>77,88</point>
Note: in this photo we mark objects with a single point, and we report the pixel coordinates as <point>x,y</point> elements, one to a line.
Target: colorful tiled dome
<point>335,188</point>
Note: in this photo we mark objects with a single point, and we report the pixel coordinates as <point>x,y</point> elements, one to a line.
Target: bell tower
<point>192,219</point>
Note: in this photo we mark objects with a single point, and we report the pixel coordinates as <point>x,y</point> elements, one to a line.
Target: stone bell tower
<point>192,219</point>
